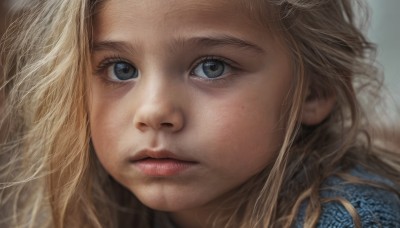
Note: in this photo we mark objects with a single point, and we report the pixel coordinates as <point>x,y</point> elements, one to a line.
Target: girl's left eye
<point>211,69</point>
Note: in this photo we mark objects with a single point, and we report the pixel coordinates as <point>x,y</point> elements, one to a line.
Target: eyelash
<point>109,61</point>
<point>229,63</point>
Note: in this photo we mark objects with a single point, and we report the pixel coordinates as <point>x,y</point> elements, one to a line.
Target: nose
<point>159,112</point>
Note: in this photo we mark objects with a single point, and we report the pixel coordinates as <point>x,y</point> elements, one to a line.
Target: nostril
<point>167,125</point>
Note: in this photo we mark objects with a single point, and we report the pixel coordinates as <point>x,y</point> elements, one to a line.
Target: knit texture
<point>376,207</point>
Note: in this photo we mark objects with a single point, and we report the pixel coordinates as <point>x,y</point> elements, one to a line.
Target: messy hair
<point>50,175</point>
<point>331,57</point>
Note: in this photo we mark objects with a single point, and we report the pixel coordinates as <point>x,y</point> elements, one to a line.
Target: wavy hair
<point>50,175</point>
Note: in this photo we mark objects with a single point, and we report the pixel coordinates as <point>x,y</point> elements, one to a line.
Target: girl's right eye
<point>122,71</point>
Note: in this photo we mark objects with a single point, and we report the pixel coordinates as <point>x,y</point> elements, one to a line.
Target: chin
<point>162,200</point>
<point>167,205</point>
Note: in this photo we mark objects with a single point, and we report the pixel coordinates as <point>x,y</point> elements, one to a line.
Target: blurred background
<point>385,31</point>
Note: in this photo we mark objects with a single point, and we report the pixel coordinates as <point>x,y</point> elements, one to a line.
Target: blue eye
<point>122,71</point>
<point>211,69</point>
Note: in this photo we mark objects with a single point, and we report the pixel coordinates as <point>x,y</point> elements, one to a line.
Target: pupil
<point>124,71</point>
<point>213,68</point>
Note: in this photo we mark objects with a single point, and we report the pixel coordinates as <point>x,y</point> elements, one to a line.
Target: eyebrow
<point>118,46</point>
<point>222,41</point>
<point>206,41</point>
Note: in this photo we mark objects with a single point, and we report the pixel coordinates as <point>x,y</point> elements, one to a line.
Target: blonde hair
<point>49,172</point>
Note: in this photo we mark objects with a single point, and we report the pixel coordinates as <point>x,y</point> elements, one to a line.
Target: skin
<point>230,128</point>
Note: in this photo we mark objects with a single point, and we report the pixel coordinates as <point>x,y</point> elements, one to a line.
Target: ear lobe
<point>317,109</point>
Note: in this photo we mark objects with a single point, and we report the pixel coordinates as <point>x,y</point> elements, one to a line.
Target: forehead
<point>254,12</point>
<point>247,6</point>
<point>167,27</point>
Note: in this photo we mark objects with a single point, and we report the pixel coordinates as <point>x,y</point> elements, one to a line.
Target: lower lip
<point>162,167</point>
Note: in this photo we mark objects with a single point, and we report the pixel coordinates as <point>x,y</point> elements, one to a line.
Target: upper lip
<point>156,154</point>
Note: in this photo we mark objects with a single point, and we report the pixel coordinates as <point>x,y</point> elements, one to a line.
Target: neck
<point>190,219</point>
<point>212,215</point>
<point>216,213</point>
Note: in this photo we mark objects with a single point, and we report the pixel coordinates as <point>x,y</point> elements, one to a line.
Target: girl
<point>195,113</point>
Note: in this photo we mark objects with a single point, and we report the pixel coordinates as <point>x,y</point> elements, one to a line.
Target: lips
<point>160,163</point>
<point>155,154</point>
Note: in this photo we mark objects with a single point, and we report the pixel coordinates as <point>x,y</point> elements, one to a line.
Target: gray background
<point>385,31</point>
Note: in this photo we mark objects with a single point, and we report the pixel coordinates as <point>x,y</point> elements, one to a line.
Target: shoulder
<point>376,207</point>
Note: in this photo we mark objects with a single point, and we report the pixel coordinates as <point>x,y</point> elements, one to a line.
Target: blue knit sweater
<point>376,207</point>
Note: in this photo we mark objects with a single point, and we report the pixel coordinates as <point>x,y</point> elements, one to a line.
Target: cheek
<point>242,134</point>
<point>108,125</point>
<point>109,113</point>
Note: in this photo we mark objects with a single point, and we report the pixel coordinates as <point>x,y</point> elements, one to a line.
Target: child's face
<point>186,98</point>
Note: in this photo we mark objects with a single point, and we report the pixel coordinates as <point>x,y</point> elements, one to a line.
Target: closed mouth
<point>158,155</point>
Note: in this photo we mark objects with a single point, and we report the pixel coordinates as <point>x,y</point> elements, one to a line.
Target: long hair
<point>50,175</point>
<point>331,58</point>
<point>44,150</point>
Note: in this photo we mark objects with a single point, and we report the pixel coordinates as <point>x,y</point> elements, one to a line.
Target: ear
<point>316,109</point>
